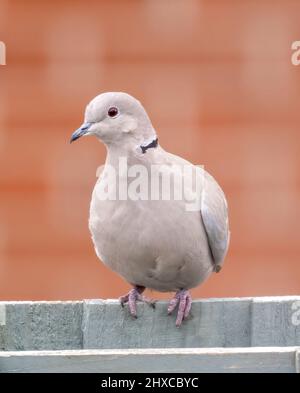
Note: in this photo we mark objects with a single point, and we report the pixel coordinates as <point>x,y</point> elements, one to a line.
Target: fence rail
<point>229,335</point>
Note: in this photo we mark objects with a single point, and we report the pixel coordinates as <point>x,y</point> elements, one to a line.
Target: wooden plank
<point>221,360</point>
<point>104,324</point>
<point>273,321</point>
<point>41,325</point>
<point>213,323</point>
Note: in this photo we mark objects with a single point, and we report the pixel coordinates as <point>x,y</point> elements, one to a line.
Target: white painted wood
<point>229,360</point>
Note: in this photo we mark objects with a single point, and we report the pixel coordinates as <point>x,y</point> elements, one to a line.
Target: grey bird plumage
<point>155,244</point>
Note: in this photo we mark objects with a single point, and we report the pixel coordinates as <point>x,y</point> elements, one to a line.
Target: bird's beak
<point>80,132</point>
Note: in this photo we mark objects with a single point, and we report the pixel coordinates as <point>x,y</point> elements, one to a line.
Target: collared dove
<point>151,242</point>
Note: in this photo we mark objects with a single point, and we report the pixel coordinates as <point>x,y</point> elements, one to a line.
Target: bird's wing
<point>99,171</point>
<point>214,212</point>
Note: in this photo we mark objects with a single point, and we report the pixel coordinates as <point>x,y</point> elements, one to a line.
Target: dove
<point>156,240</point>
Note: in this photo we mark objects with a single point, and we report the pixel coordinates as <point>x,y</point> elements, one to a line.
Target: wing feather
<point>214,212</point>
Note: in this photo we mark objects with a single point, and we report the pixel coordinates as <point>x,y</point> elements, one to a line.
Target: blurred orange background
<point>217,81</point>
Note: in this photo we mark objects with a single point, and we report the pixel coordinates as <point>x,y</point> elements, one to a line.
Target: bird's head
<point>116,119</point>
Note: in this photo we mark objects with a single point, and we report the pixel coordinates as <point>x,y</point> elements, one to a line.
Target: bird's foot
<point>133,296</point>
<point>184,300</point>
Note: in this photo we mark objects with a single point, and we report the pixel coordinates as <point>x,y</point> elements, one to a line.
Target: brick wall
<point>218,83</point>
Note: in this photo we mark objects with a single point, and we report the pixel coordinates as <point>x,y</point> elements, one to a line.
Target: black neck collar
<point>150,145</point>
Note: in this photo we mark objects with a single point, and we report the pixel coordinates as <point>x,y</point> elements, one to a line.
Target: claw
<point>173,304</point>
<point>132,297</point>
<point>184,300</point>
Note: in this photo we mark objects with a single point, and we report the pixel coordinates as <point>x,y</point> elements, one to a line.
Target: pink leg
<point>183,298</point>
<point>133,296</point>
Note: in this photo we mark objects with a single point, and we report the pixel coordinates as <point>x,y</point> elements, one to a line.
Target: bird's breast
<point>152,243</point>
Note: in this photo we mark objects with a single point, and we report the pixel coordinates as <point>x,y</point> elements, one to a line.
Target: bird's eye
<point>112,112</point>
